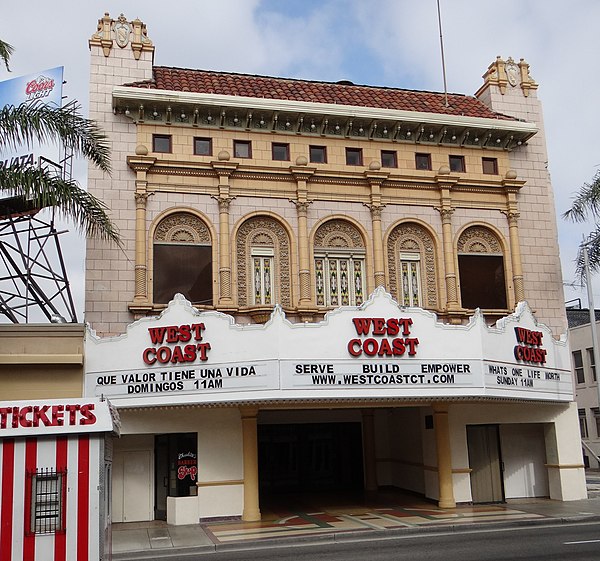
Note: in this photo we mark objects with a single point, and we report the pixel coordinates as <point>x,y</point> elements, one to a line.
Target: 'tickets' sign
<point>28,418</point>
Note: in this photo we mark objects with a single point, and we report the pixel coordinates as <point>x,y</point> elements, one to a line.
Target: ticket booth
<point>55,471</point>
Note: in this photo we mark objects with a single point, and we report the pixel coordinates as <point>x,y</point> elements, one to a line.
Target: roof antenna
<point>442,51</point>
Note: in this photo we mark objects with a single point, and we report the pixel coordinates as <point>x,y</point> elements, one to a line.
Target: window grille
<point>262,277</point>
<point>339,280</point>
<point>48,496</point>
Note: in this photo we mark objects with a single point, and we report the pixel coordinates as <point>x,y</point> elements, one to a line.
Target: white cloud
<point>384,42</point>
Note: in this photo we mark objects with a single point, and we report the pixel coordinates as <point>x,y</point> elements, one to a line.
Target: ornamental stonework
<point>338,234</point>
<point>263,232</point>
<point>182,227</point>
<point>478,239</point>
<point>412,238</point>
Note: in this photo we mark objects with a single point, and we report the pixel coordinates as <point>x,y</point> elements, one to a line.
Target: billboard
<point>45,86</point>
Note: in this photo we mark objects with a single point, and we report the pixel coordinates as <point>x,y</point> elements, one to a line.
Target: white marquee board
<point>376,350</point>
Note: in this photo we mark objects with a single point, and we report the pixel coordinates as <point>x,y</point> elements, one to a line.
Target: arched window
<point>339,252</point>
<point>481,270</point>
<point>263,262</point>
<point>182,260</point>
<point>411,265</point>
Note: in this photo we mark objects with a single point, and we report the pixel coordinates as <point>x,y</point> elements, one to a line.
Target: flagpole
<point>442,51</point>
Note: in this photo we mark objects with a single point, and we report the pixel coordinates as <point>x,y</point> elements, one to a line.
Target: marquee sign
<point>376,350</point>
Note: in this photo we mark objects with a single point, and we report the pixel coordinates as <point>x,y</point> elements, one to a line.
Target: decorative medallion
<point>512,72</point>
<point>122,31</point>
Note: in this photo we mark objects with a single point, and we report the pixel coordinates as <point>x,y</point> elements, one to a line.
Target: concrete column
<point>141,268</point>
<point>444,456</point>
<point>303,253</point>
<point>225,296</point>
<point>251,512</point>
<point>512,185</point>
<point>378,260</point>
<point>445,182</point>
<point>224,169</point>
<point>141,164</point>
<point>449,264</point>
<point>369,450</point>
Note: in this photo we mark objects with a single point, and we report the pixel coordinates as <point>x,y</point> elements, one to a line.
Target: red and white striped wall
<point>80,455</point>
<point>78,448</point>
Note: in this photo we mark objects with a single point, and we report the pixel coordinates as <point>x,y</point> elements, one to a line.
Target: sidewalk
<point>337,523</point>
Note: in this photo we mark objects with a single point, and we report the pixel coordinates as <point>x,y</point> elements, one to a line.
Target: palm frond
<point>45,189</point>
<point>36,122</point>
<point>6,51</point>
<point>586,204</point>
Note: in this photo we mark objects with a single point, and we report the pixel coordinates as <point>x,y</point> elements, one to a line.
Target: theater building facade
<point>324,287</point>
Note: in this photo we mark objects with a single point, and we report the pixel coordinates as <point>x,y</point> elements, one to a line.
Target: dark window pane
<point>161,143</point>
<point>202,146</point>
<point>423,161</point>
<point>281,151</point>
<point>318,154</point>
<point>183,268</point>
<point>354,156</point>
<point>457,163</point>
<point>389,159</point>
<point>482,282</point>
<point>490,165</point>
<point>241,149</point>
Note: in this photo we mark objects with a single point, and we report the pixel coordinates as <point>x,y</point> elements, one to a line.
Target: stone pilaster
<point>444,455</point>
<point>445,183</point>
<point>141,164</point>
<point>224,169</point>
<point>251,512</point>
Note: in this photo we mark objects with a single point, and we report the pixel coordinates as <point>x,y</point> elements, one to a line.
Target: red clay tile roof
<point>223,83</point>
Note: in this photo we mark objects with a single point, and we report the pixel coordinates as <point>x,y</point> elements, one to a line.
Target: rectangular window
<point>280,152</point>
<point>182,268</point>
<point>262,276</point>
<point>339,280</point>
<point>48,492</point>
<point>578,367</point>
<point>583,424</point>
<point>242,149</point>
<point>410,279</point>
<point>482,282</point>
<point>590,353</point>
<point>318,154</point>
<point>161,143</point>
<point>354,156</point>
<point>457,163</point>
<point>423,161</point>
<point>389,159</point>
<point>202,146</point>
<point>490,166</point>
<point>596,413</point>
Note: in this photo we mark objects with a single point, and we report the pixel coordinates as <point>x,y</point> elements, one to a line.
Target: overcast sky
<point>377,42</point>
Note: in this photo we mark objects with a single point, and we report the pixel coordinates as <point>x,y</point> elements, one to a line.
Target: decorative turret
<point>123,34</point>
<point>508,74</point>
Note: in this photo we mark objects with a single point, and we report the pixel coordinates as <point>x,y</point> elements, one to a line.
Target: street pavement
<point>388,516</point>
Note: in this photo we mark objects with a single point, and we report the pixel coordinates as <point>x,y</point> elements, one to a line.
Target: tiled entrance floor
<point>383,513</point>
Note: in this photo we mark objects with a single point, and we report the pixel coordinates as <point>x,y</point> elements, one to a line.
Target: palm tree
<point>586,205</point>
<point>35,122</point>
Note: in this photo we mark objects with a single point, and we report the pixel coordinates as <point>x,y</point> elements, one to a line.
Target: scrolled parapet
<point>122,32</point>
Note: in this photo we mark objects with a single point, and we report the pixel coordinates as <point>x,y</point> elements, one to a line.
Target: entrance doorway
<point>310,457</point>
<point>483,443</point>
<point>175,469</point>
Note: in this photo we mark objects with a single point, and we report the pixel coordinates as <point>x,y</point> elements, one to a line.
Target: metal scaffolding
<point>34,285</point>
